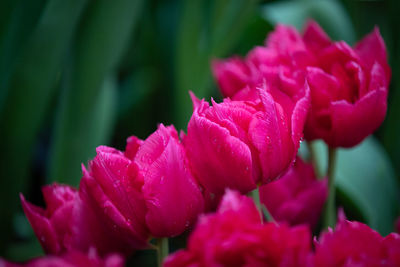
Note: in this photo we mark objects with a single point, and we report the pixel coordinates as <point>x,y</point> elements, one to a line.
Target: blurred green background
<point>80,73</point>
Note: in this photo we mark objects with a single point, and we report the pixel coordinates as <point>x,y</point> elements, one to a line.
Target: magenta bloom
<point>53,226</point>
<point>391,246</point>
<point>71,258</point>
<point>349,86</point>
<point>355,244</point>
<point>239,144</point>
<point>234,236</point>
<point>297,197</point>
<point>69,224</point>
<point>280,64</point>
<point>173,197</point>
<point>149,190</point>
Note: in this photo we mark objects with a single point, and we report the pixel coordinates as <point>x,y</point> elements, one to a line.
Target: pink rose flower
<point>148,190</point>
<point>355,244</point>
<point>71,258</point>
<point>69,224</point>
<point>349,86</point>
<point>234,236</point>
<point>239,144</point>
<point>297,197</point>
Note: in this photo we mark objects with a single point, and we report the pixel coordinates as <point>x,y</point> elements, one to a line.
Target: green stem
<point>162,250</point>
<point>255,195</point>
<point>330,211</point>
<point>267,214</point>
<point>312,159</point>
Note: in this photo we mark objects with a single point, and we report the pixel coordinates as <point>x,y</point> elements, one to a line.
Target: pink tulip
<point>297,197</point>
<point>68,223</point>
<point>232,75</point>
<point>239,144</point>
<point>349,86</point>
<point>52,226</point>
<point>148,190</point>
<point>70,259</point>
<point>173,197</point>
<point>280,64</point>
<point>112,188</point>
<point>355,244</point>
<point>234,236</point>
<point>349,89</point>
<point>391,246</point>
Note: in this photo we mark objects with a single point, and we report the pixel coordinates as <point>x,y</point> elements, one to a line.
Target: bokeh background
<point>75,74</point>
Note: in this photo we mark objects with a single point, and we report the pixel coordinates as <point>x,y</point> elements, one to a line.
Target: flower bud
<point>239,144</point>
<point>172,196</point>
<point>148,190</point>
<point>69,223</point>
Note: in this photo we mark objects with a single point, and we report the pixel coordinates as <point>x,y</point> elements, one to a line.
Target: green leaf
<point>188,57</point>
<point>24,251</point>
<point>18,19</point>
<point>391,127</point>
<point>232,21</point>
<point>136,104</point>
<point>77,143</point>
<point>80,126</point>
<point>365,177</point>
<point>254,34</point>
<point>30,90</point>
<point>330,14</point>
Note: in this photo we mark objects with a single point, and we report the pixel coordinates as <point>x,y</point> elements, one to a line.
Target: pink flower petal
<point>172,196</point>
<point>373,42</point>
